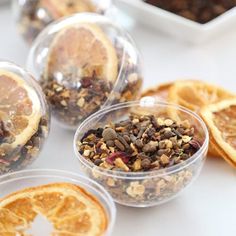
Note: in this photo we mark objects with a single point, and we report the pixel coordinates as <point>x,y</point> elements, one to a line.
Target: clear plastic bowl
<point>23,129</point>
<point>32,16</point>
<point>32,178</point>
<point>72,95</point>
<point>144,189</point>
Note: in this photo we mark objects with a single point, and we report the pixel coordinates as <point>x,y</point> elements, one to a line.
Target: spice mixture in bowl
<point>85,62</point>
<point>199,11</point>
<point>144,153</point>
<point>33,16</point>
<point>24,118</point>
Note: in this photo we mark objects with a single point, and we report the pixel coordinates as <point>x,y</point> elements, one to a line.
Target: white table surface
<point>208,207</point>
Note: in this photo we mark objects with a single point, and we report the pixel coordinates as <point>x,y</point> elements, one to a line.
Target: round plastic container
<point>24,118</point>
<point>144,189</point>
<point>85,62</point>
<point>32,16</point>
<point>17,181</point>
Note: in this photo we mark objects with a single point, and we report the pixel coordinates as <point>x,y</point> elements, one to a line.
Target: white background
<point>208,207</point>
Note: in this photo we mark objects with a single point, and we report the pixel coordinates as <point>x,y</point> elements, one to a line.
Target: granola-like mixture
<point>196,10</point>
<point>35,15</point>
<point>23,155</point>
<point>140,143</point>
<point>72,103</point>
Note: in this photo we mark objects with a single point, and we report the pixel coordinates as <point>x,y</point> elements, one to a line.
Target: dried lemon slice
<point>192,94</point>
<point>221,120</point>
<point>59,8</point>
<point>82,51</point>
<point>196,94</point>
<point>161,91</point>
<point>70,209</point>
<point>19,109</point>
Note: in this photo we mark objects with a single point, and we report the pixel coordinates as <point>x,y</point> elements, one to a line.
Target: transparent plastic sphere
<point>85,62</point>
<point>33,16</point>
<point>142,188</point>
<point>24,118</point>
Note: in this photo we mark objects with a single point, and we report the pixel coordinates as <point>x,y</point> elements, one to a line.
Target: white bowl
<point>176,25</point>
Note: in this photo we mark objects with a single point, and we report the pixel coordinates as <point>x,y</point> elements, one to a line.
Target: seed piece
<point>120,164</point>
<point>80,102</point>
<point>109,134</point>
<point>168,143</point>
<point>97,162</point>
<point>185,124</point>
<point>160,121</point>
<point>139,143</point>
<point>150,147</point>
<point>164,159</point>
<point>168,122</point>
<point>119,145</point>
<point>110,143</point>
<point>111,182</point>
<point>186,138</point>
<point>63,103</point>
<point>195,144</point>
<point>135,189</point>
<point>137,165</point>
<point>146,164</point>
<point>135,121</point>
<point>86,153</point>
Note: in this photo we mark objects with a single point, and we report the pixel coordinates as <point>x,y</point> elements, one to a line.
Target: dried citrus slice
<point>70,209</point>
<point>161,91</point>
<point>82,51</point>
<point>221,120</point>
<point>59,8</point>
<point>19,109</point>
<point>196,94</point>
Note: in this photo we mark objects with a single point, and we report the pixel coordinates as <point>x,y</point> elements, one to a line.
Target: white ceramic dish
<point>178,26</point>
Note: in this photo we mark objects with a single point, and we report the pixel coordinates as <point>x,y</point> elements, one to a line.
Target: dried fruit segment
<point>161,91</point>
<point>196,94</point>
<point>70,209</point>
<point>19,111</point>
<point>80,72</point>
<point>221,120</point>
<point>10,221</point>
<point>82,51</point>
<point>23,119</point>
<point>59,8</point>
<point>192,94</point>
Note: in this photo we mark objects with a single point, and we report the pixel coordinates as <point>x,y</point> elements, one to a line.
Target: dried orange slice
<point>192,94</point>
<point>221,120</point>
<point>19,109</point>
<point>196,94</point>
<point>59,8</point>
<point>161,91</point>
<point>82,51</point>
<point>70,209</point>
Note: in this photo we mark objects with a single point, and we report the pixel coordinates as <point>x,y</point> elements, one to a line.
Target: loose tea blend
<point>80,77</point>
<point>132,158</point>
<point>24,121</point>
<point>196,10</point>
<point>35,15</point>
<point>140,143</point>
